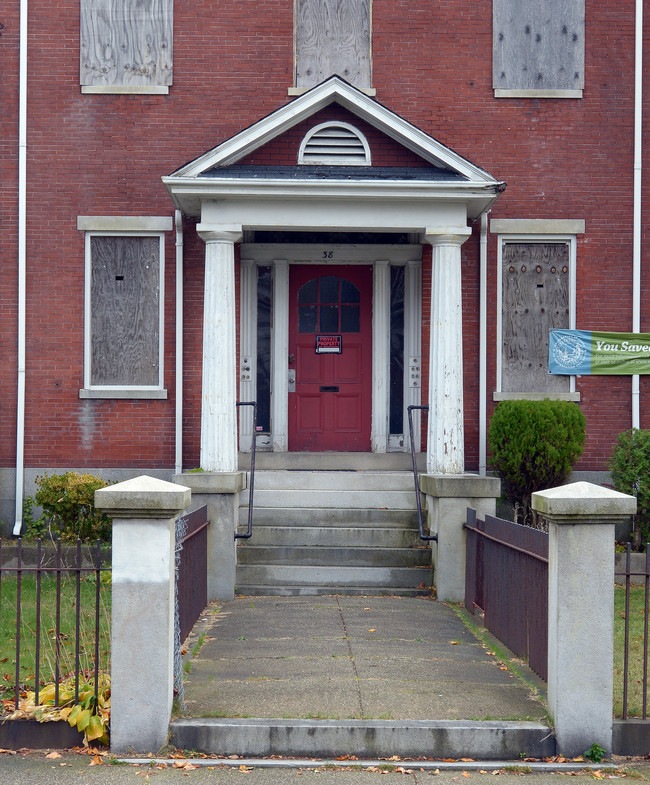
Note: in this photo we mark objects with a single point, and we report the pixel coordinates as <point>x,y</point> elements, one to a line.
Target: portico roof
<point>443,177</point>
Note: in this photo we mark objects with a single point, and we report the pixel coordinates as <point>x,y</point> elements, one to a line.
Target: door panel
<point>330,347</point>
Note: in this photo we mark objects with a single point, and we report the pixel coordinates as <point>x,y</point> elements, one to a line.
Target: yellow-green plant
<point>90,716</point>
<point>68,502</point>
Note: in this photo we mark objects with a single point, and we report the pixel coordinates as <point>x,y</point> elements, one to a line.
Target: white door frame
<point>280,257</point>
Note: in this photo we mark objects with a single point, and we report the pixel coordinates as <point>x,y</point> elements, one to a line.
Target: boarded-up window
<point>535,300</point>
<point>125,311</point>
<point>332,37</point>
<point>126,45</point>
<point>539,46</point>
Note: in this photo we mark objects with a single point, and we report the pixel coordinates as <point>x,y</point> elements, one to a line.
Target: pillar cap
<point>583,500</point>
<point>461,486</point>
<point>143,497</point>
<point>213,482</point>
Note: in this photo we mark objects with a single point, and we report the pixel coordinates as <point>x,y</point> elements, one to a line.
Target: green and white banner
<point>589,352</point>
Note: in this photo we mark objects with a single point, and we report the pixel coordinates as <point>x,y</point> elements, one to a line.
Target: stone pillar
<point>219,390</point>
<point>448,498</point>
<point>220,492</point>
<point>445,443</point>
<point>581,517</point>
<point>144,512</point>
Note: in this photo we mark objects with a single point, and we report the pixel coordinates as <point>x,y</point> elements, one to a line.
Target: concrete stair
<point>333,532</point>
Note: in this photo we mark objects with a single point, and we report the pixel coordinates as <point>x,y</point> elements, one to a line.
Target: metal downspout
<point>482,351</point>
<point>636,249</point>
<point>22,234</point>
<point>178,436</point>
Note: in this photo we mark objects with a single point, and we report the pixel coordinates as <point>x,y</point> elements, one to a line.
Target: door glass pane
<point>307,319</point>
<point>264,349</point>
<point>349,292</point>
<point>396,414</point>
<point>329,289</point>
<point>329,318</point>
<point>307,293</point>
<point>349,318</point>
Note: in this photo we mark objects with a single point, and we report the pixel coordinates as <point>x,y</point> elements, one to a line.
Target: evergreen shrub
<point>534,445</point>
<point>630,466</point>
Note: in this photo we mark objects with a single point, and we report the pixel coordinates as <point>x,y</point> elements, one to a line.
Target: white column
<point>219,389</point>
<point>380,355</point>
<point>280,357</point>
<point>445,445</point>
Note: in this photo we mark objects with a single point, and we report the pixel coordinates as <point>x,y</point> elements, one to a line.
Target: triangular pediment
<point>333,91</point>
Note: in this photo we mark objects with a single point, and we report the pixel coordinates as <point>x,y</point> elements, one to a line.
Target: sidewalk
<point>75,769</point>
<point>342,657</point>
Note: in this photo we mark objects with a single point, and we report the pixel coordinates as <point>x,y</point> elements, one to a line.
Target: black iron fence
<point>631,653</point>
<point>54,621</point>
<point>506,577</point>
<point>192,582</point>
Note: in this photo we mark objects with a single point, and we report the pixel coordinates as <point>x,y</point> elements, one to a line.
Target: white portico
<point>431,204</point>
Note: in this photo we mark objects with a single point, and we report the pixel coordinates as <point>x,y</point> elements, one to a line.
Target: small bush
<point>534,445</point>
<point>630,466</point>
<point>68,502</point>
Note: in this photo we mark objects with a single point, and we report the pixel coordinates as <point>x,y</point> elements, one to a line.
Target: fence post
<point>581,518</point>
<point>143,510</point>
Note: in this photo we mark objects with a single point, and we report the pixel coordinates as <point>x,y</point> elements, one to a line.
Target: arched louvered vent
<point>334,143</point>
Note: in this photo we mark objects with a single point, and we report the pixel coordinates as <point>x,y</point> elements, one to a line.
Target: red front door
<point>330,353</point>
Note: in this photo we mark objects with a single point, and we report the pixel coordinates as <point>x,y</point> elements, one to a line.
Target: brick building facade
<point>492,140</point>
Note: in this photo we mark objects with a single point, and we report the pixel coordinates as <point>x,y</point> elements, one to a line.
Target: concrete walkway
<point>373,677</point>
<point>341,657</point>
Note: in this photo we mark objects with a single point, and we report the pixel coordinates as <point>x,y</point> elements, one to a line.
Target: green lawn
<point>48,628</point>
<point>635,678</point>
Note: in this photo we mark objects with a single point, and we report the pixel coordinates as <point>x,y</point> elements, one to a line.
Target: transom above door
<point>330,357</point>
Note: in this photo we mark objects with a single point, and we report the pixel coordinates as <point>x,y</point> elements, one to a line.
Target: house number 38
<point>328,254</point>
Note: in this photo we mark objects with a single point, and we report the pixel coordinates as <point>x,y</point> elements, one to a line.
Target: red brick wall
<point>105,155</point>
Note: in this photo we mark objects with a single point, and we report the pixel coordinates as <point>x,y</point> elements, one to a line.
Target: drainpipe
<point>178,441</point>
<point>636,250</point>
<point>22,232</point>
<point>482,351</point>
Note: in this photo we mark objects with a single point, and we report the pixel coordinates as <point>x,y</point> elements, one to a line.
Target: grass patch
<point>67,628</point>
<point>635,678</point>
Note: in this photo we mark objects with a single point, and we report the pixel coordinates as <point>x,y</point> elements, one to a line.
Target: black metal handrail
<point>249,530</point>
<point>416,479</point>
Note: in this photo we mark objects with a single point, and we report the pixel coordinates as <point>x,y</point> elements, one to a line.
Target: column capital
<point>448,235</point>
<point>219,234</point>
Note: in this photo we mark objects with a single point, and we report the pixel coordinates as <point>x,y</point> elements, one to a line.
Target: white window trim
<point>98,227</point>
<point>533,236</point>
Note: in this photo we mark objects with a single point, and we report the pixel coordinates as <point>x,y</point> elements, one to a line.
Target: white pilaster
<point>247,350</point>
<point>219,389</point>
<point>380,355</point>
<point>445,445</point>
<point>412,346</point>
<point>280,357</point>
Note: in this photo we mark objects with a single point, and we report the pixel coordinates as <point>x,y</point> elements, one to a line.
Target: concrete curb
<point>427,765</point>
<point>491,740</point>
